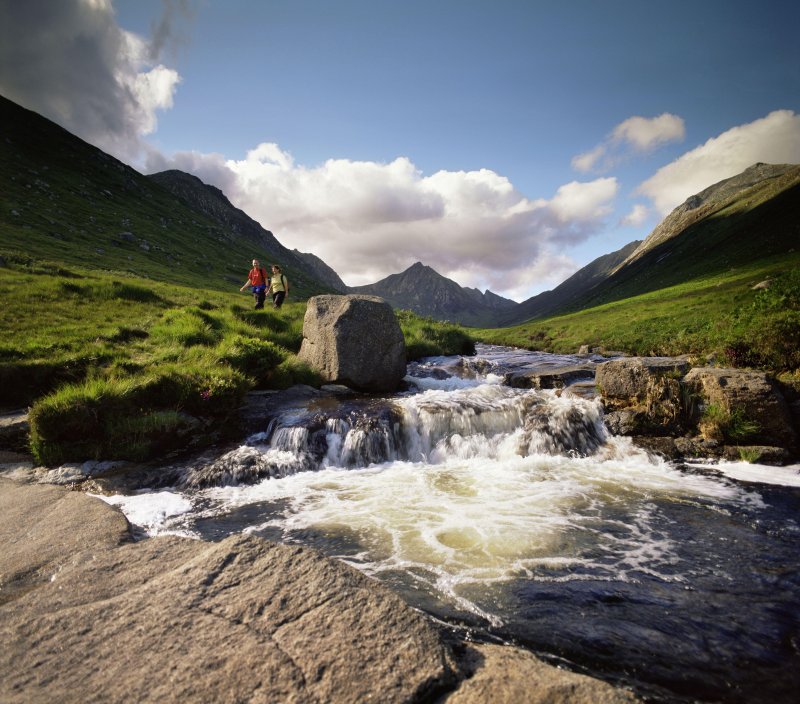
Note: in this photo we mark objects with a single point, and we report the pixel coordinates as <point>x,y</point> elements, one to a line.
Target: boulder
<point>649,392</point>
<point>752,392</point>
<point>354,340</point>
<point>624,382</point>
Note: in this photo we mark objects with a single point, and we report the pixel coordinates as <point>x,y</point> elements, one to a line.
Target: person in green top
<point>278,286</point>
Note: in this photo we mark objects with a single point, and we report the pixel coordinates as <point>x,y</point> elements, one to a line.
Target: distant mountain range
<point>422,290</point>
<point>65,200</point>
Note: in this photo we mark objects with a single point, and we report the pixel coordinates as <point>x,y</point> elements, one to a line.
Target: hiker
<point>279,286</point>
<point>257,278</point>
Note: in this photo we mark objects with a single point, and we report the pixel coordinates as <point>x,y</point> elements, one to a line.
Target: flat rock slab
<point>89,616</point>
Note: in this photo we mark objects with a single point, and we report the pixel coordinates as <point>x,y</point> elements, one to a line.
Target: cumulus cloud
<point>70,61</point>
<point>636,217</point>
<point>634,135</point>
<point>368,220</point>
<point>772,139</point>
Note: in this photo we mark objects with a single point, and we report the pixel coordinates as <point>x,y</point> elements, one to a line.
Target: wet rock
<point>556,378</point>
<point>354,340</point>
<point>752,392</point>
<point>758,454</point>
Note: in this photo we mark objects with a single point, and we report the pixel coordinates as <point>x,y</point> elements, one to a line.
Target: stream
<point>512,515</point>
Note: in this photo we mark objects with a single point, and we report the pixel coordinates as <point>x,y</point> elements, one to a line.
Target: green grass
<point>719,314</point>
<point>116,367</point>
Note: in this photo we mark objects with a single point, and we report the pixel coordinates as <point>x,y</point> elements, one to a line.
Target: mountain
<point>65,200</point>
<point>569,291</point>
<point>423,290</point>
<point>752,216</point>
<point>213,203</point>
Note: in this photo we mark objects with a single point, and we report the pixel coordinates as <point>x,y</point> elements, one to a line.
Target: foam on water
<point>759,473</point>
<point>154,512</point>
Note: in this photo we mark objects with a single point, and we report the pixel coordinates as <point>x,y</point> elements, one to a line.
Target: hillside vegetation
<point>119,367</point>
<point>721,315</point>
<point>66,201</point>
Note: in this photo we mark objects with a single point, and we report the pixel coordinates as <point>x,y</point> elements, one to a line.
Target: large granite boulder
<point>354,340</point>
<point>753,394</point>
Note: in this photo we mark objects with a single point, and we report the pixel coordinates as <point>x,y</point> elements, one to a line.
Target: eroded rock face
<point>751,391</point>
<point>354,340</point>
<point>626,381</point>
<point>643,395</point>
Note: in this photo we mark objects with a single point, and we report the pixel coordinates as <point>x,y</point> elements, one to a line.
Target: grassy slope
<point>760,223</point>
<point>65,201</point>
<point>719,313</point>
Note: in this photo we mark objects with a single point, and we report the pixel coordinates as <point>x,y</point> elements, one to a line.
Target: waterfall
<point>480,420</point>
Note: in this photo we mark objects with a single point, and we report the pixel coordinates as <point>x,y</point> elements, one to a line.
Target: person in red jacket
<point>257,278</point>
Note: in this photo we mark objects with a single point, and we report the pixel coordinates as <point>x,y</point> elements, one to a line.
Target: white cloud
<point>636,135</point>
<point>588,160</point>
<point>771,139</point>
<point>70,61</point>
<point>644,134</point>
<point>368,220</point>
<point>636,217</point>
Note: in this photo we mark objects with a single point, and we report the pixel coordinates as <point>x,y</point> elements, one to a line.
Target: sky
<point>505,143</point>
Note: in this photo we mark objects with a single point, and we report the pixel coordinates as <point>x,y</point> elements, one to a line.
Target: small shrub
<point>292,371</point>
<point>749,454</point>
<point>719,423</point>
<point>252,356</point>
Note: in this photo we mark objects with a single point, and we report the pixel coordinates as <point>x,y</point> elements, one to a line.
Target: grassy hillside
<point>758,223</point>
<point>120,367</point>
<point>718,314</point>
<point>66,201</point>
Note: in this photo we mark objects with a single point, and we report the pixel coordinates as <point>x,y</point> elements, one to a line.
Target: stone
<point>626,380</point>
<point>354,340</point>
<point>171,619</point>
<point>555,378</point>
<point>43,527</point>
<point>510,675</point>
<point>751,391</point>
<point>93,616</point>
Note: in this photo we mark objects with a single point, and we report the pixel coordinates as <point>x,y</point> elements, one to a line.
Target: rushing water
<point>512,513</point>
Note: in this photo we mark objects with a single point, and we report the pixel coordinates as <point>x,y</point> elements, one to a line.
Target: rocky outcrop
<point>643,395</point>
<point>754,393</point>
<point>354,340</point>
<point>89,616</point>
<point>702,412</point>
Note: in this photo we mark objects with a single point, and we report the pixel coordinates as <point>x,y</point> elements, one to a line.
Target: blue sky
<point>504,143</point>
